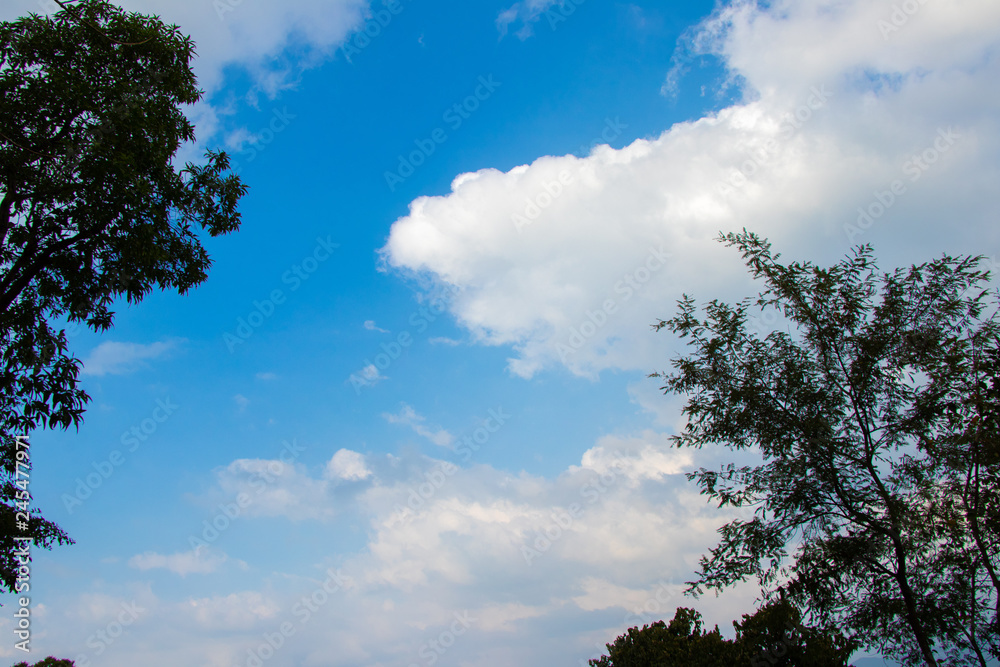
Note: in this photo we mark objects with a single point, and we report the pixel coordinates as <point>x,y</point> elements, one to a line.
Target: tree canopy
<point>773,636</point>
<point>48,662</point>
<point>92,208</point>
<point>877,500</point>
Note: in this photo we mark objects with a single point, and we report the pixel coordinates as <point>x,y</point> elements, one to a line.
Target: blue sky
<point>426,349</point>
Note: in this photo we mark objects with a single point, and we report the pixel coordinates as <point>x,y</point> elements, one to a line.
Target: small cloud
<point>241,401</point>
<point>370,325</point>
<point>527,12</point>
<point>637,15</point>
<point>648,456</point>
<point>237,139</point>
<point>266,376</point>
<point>369,375</point>
<point>347,465</point>
<point>442,340</point>
<point>504,20</point>
<point>196,561</point>
<point>275,488</point>
<point>112,358</point>
<point>408,417</point>
<point>689,50</point>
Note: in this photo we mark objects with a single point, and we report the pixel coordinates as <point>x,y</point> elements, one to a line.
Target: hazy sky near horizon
<point>407,419</point>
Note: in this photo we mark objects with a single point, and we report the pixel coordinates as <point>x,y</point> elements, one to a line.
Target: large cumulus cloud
<point>858,124</point>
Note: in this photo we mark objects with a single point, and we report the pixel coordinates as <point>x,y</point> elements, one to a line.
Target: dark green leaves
<point>92,208</point>
<point>774,636</point>
<point>874,415</point>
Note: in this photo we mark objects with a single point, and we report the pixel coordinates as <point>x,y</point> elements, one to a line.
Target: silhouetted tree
<point>48,662</point>
<point>772,637</point>
<point>875,414</point>
<point>91,207</point>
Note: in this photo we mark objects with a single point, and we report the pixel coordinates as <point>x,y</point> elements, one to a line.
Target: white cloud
<point>371,326</point>
<point>502,617</point>
<point>528,12</point>
<point>665,409</point>
<point>273,488</point>
<point>256,37</point>
<point>444,340</point>
<point>521,551</point>
<point>113,358</point>
<point>432,520</point>
<point>408,417</point>
<point>196,561</point>
<point>267,377</point>
<point>649,456</point>
<point>347,465</point>
<point>505,18</point>
<point>247,35</point>
<point>599,593</point>
<point>241,402</point>
<point>368,376</point>
<point>236,611</point>
<point>514,555</point>
<point>101,606</point>
<point>560,259</point>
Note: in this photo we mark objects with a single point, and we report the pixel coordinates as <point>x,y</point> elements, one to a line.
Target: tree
<point>91,207</point>
<point>875,418</point>
<point>681,643</point>
<point>48,662</point>
<point>774,636</point>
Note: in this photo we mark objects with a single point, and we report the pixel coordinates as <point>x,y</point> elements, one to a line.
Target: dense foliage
<point>875,414</point>
<point>92,208</point>
<point>774,636</point>
<point>48,662</point>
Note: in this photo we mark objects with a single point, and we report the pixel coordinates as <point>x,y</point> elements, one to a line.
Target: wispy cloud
<point>525,13</point>
<point>408,417</point>
<point>370,375</point>
<point>444,340</point>
<point>196,561</point>
<point>113,358</point>
<point>241,402</point>
<point>275,488</point>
